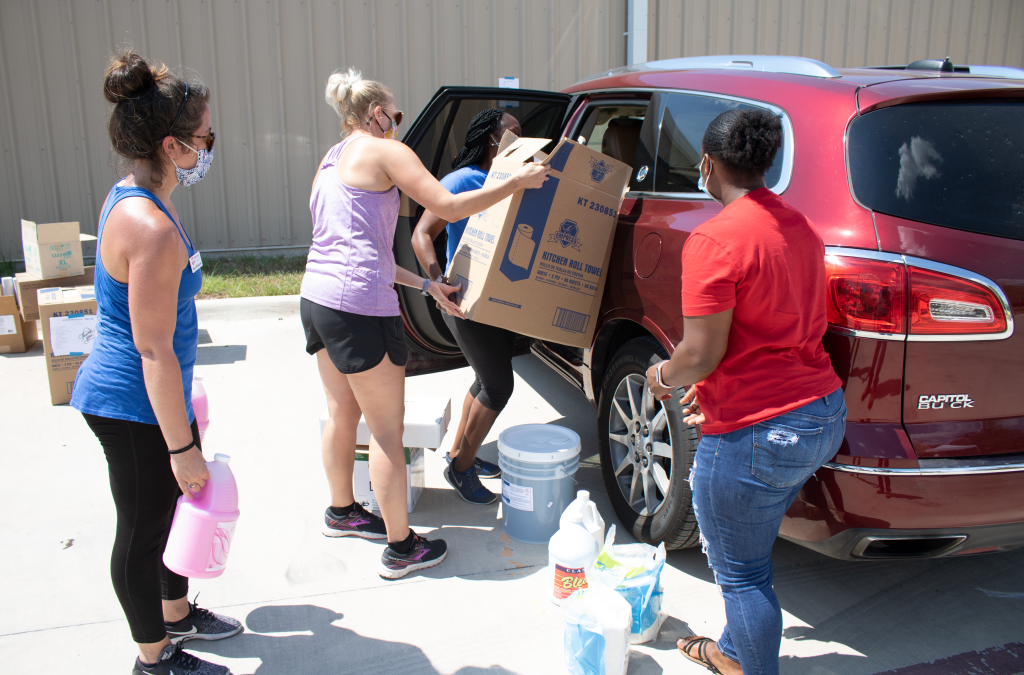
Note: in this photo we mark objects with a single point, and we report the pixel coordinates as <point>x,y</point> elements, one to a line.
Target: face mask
<point>187,177</point>
<point>390,133</point>
<point>702,182</point>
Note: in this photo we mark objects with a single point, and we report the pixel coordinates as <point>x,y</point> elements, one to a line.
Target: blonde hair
<point>353,98</point>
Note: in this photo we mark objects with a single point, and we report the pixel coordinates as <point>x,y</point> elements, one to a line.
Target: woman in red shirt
<point>770,404</point>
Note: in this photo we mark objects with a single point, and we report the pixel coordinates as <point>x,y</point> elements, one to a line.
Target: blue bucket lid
<point>539,443</point>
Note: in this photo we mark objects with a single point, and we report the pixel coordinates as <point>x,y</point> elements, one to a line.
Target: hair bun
<point>127,76</point>
<point>339,87</point>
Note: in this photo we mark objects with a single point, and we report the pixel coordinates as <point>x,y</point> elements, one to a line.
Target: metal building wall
<point>842,33</point>
<point>266,62</point>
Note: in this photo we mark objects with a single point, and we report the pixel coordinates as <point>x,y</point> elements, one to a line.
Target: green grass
<point>6,267</point>
<point>252,276</point>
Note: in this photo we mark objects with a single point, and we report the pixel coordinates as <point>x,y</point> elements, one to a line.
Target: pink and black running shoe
<point>358,523</point>
<point>423,554</point>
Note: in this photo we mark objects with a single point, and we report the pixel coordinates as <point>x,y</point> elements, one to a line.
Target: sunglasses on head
<point>210,137</point>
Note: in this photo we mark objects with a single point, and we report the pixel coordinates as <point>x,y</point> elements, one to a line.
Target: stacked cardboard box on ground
<point>68,316</point>
<point>16,334</point>
<point>536,262</point>
<point>56,289</point>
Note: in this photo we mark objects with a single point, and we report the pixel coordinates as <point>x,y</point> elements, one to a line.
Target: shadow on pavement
<point>887,614</point>
<point>291,639</point>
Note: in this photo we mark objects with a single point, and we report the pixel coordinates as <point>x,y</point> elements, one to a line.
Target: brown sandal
<point>702,653</point>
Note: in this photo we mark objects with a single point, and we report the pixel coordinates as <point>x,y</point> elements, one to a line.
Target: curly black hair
<point>478,135</point>
<point>744,140</point>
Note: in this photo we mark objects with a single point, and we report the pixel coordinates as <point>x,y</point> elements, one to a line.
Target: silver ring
<point>193,485</point>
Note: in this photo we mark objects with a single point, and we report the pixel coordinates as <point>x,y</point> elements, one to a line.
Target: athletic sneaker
<point>358,523</point>
<point>202,624</point>
<point>424,553</point>
<point>468,485</point>
<point>484,469</point>
<point>173,661</point>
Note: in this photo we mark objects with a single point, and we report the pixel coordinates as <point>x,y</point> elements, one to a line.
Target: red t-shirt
<point>764,260</point>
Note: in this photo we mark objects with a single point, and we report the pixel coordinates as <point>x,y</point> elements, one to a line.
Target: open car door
<point>436,137</point>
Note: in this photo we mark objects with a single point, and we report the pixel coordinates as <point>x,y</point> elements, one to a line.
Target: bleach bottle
<point>570,552</point>
<point>200,405</point>
<point>589,514</point>
<point>203,526</point>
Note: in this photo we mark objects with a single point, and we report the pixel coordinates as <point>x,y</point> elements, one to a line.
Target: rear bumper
<point>883,544</point>
<point>936,509</point>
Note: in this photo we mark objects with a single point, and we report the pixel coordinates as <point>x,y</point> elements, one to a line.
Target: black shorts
<point>354,342</point>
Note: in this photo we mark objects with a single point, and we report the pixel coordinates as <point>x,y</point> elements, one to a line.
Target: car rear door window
<point>957,164</point>
<point>683,122</point>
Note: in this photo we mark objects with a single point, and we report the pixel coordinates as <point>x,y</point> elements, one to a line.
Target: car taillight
<point>866,295</point>
<point>941,304</point>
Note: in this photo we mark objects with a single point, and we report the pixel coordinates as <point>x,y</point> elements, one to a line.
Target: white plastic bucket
<point>538,462</point>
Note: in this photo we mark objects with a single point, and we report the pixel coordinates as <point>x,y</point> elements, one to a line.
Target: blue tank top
<point>110,382</point>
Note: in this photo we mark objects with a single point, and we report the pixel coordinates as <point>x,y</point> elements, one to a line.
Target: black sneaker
<point>423,554</point>
<point>484,469</point>
<point>202,624</point>
<point>358,523</point>
<point>173,661</point>
<point>468,485</point>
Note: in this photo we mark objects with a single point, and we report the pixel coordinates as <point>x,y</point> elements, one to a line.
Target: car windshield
<point>953,164</point>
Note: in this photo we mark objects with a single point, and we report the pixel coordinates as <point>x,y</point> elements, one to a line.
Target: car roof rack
<point>791,65</point>
<point>947,66</point>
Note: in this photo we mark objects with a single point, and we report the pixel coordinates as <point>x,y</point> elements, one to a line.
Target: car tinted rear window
<point>953,164</point>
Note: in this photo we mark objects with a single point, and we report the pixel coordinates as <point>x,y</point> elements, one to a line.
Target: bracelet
<point>186,448</point>
<point>426,285</point>
<point>657,371</point>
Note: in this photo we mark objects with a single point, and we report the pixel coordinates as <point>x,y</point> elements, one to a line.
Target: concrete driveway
<point>313,605</point>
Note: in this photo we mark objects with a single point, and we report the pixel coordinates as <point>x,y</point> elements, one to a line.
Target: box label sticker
<point>72,335</point>
<point>518,497</point>
<point>8,326</point>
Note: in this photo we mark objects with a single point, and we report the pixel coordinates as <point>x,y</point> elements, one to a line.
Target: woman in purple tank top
<point>349,307</point>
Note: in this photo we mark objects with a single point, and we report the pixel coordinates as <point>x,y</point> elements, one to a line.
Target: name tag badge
<point>196,261</point>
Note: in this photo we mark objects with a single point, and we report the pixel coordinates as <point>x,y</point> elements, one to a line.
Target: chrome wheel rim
<point>640,445</point>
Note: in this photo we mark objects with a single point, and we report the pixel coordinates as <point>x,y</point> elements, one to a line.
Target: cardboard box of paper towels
<point>535,262</point>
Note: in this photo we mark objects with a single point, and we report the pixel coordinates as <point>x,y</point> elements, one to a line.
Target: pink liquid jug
<point>200,405</point>
<point>203,527</point>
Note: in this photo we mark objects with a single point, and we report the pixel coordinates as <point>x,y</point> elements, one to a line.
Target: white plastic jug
<point>570,552</point>
<point>589,514</point>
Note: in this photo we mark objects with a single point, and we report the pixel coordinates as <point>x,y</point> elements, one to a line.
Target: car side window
<point>616,130</point>
<point>683,122</point>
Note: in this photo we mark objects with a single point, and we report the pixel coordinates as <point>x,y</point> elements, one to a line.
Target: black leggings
<point>145,494</point>
<point>489,351</point>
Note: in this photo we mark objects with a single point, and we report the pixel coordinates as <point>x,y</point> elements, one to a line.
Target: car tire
<point>625,462</point>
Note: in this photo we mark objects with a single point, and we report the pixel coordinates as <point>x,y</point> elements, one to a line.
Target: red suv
<point>915,178</point>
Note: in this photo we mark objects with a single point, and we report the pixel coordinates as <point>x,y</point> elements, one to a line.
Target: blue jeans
<point>743,482</point>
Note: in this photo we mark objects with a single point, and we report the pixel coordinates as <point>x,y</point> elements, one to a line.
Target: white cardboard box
<point>362,486</point>
<point>52,250</point>
<point>426,422</point>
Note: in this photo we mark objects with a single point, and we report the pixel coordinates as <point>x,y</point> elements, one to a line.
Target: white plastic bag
<point>597,623</point>
<point>634,571</point>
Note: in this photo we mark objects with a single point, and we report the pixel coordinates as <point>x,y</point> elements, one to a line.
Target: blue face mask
<point>187,177</point>
<point>702,181</point>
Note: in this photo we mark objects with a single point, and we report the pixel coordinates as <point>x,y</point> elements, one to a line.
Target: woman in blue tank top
<point>135,389</point>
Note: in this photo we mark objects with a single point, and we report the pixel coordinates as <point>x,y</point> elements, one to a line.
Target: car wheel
<point>646,451</point>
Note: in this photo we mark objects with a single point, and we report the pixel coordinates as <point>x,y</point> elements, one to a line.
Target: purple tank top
<point>351,265</point>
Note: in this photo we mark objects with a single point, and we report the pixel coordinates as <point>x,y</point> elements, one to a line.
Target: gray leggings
<point>489,351</point>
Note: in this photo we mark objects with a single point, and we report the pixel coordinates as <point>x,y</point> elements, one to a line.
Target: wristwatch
<point>426,285</point>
